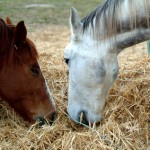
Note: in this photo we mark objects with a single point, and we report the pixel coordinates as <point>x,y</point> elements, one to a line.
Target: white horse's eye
<point>66,60</point>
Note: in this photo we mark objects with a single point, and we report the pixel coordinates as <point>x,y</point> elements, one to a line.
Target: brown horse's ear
<point>8,20</point>
<point>20,33</point>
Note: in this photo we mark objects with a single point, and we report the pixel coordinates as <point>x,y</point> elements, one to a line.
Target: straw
<point>126,116</point>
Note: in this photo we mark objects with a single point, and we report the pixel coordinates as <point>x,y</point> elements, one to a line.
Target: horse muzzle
<point>49,119</point>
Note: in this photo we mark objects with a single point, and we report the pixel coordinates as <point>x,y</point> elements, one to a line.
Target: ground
<point>125,117</point>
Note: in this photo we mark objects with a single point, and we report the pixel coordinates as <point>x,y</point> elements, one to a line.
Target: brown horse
<point>22,83</point>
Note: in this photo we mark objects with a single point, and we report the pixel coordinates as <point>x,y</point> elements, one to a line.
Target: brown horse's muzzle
<point>49,119</point>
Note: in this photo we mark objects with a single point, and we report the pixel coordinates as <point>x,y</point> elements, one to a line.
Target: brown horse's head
<point>22,83</point>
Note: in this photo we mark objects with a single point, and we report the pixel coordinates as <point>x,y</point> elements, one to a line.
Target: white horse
<point>92,52</point>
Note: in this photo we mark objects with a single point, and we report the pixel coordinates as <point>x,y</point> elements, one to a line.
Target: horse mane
<point>101,12</point>
<point>105,18</point>
<point>8,51</point>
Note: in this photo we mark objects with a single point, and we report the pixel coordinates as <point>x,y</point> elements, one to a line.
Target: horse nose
<point>47,120</point>
<point>52,117</point>
<point>82,118</point>
<point>41,121</point>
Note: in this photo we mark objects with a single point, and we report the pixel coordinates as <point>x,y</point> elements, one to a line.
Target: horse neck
<point>132,23</point>
<point>130,15</point>
<point>126,21</point>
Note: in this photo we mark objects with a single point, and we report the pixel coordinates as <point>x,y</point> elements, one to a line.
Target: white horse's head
<point>92,70</point>
<point>92,54</point>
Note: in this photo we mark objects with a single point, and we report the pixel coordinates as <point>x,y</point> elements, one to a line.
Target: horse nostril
<point>41,121</point>
<point>83,118</point>
<point>53,117</point>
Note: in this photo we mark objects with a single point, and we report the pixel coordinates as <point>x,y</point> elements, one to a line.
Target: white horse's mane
<point>107,17</point>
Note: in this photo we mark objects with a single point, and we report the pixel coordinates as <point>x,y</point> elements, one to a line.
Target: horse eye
<point>35,71</point>
<point>66,60</point>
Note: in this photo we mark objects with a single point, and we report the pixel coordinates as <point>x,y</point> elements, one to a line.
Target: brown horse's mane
<point>9,53</point>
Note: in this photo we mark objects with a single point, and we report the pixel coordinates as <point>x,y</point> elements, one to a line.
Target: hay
<point>126,115</point>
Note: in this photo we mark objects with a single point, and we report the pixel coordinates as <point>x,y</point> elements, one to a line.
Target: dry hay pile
<point>125,118</point>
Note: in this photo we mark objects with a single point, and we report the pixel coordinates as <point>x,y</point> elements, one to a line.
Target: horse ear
<point>75,22</point>
<point>8,20</point>
<point>20,32</point>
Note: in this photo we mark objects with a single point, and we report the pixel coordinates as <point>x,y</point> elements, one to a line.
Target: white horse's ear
<point>75,22</point>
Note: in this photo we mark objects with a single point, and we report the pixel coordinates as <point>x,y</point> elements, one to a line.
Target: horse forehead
<point>81,40</point>
<point>86,46</point>
<point>92,46</point>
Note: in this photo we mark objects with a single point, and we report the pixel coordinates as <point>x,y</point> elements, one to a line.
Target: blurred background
<point>42,12</point>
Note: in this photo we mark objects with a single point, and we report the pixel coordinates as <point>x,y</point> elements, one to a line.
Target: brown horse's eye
<point>35,71</point>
